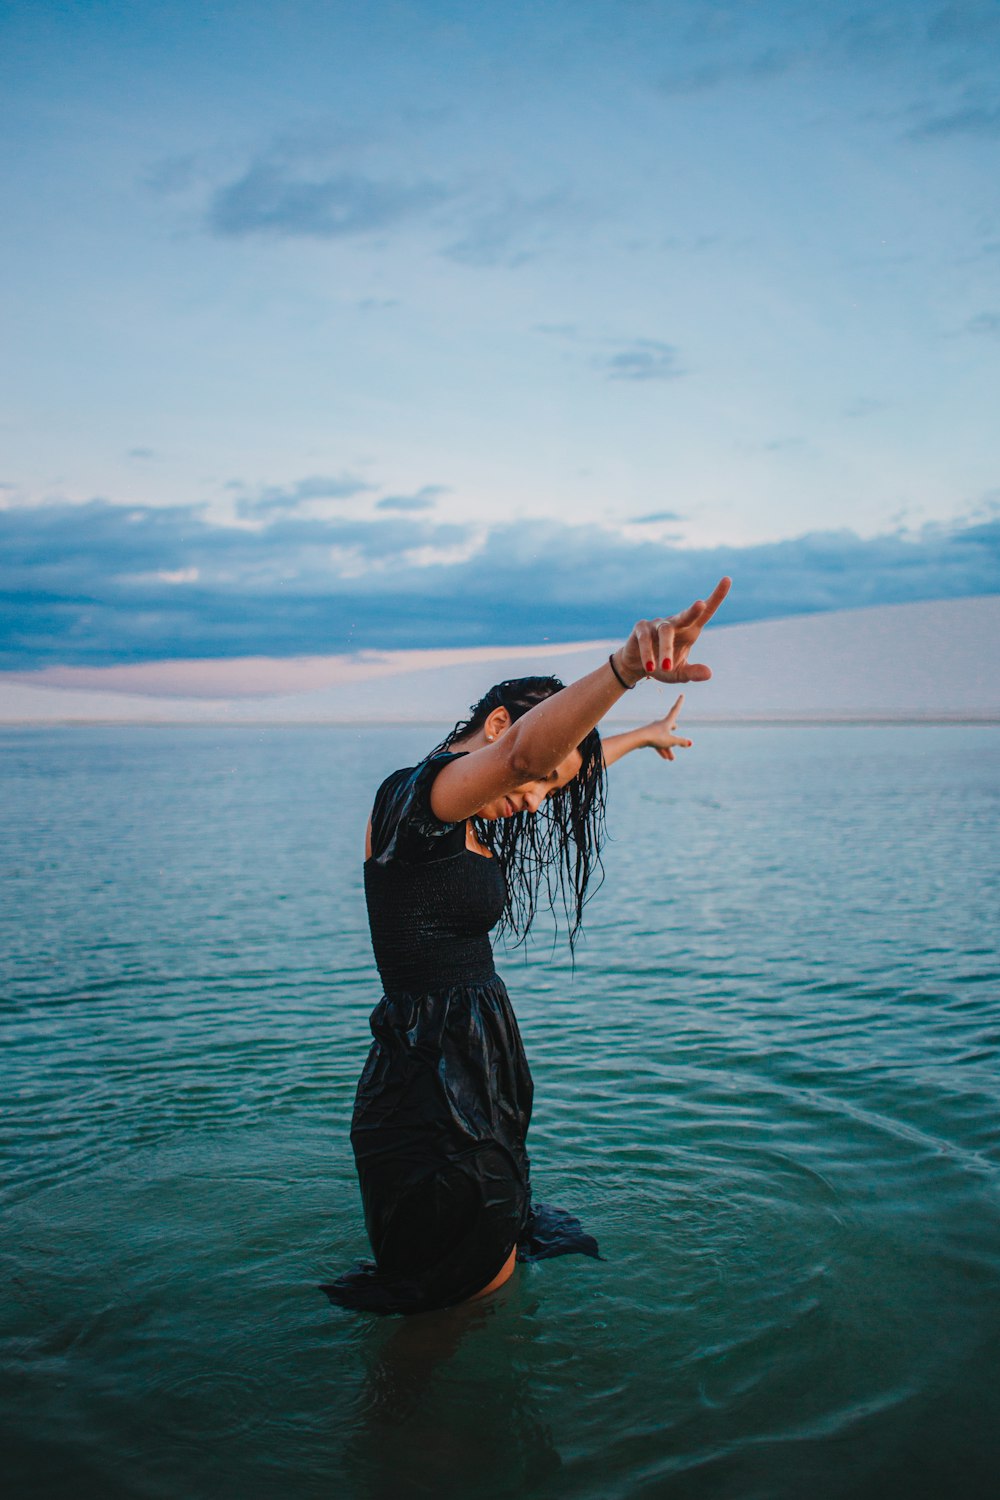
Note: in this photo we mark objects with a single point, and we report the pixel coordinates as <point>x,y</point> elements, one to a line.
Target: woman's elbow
<point>527,762</point>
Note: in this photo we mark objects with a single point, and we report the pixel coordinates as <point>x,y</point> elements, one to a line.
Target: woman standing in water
<point>511,801</point>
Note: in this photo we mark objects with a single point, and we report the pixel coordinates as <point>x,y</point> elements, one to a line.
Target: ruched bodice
<point>444,1100</point>
<point>430,922</point>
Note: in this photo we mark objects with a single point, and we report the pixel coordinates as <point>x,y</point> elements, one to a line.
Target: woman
<point>455,846</point>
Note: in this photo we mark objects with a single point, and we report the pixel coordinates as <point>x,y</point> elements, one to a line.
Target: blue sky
<point>342,325</point>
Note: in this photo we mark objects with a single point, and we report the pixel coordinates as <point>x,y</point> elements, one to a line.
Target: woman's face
<point>530,796</point>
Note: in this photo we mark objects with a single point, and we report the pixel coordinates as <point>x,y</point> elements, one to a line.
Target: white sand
<point>930,662</point>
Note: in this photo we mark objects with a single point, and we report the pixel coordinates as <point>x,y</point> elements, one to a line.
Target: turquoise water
<point>770,1088</point>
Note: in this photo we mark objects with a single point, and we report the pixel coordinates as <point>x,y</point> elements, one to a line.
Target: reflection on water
<point>768,1087</point>
<point>406,1413</point>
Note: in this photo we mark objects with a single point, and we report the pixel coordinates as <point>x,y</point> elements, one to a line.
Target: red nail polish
<point>649,666</point>
<point>666,664</point>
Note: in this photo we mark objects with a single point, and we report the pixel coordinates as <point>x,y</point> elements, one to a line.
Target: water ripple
<point>768,1085</point>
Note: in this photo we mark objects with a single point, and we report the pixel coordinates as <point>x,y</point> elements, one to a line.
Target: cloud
<point>981,121</point>
<point>922,47</point>
<point>569,331</point>
<point>96,584</point>
<point>98,545</point>
<point>804,40</point>
<point>619,359</point>
<point>985,324</point>
<point>280,199</point>
<point>267,499</point>
<point>513,230</point>
<point>322,182</point>
<point>773,62</point>
<point>643,359</point>
<point>864,406</point>
<point>423,499</point>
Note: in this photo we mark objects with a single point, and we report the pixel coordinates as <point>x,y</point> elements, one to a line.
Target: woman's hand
<point>660,736</point>
<point>537,743</point>
<point>660,648</point>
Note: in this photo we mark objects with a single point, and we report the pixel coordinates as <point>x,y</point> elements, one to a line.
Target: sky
<point>413,326</point>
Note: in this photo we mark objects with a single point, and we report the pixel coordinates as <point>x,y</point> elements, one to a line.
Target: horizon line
<point>709,722</point>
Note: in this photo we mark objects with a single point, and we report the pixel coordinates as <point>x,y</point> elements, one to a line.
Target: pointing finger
<point>715,598</point>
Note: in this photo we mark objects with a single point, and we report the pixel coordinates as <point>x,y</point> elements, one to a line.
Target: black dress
<point>444,1099</point>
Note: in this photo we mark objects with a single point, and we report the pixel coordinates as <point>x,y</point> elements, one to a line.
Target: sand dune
<point>935,661</point>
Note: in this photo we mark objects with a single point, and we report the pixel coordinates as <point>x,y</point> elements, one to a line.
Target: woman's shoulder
<point>408,778</point>
<point>403,823</point>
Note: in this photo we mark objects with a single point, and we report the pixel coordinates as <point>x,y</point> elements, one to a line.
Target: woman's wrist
<point>620,671</point>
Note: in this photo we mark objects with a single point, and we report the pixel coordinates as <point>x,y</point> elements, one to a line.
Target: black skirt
<point>438,1132</point>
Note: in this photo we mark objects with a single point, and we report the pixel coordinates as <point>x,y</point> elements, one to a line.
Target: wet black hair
<point>558,848</point>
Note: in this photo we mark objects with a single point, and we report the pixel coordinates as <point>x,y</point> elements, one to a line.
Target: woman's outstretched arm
<point>547,734</point>
<point>658,735</point>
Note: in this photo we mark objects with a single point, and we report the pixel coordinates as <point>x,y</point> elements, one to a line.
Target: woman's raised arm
<point>534,745</point>
<point>658,735</point>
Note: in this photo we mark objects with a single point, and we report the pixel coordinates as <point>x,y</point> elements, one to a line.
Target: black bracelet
<point>628,686</point>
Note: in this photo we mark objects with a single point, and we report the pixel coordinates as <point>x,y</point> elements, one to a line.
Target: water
<point>769,1088</point>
